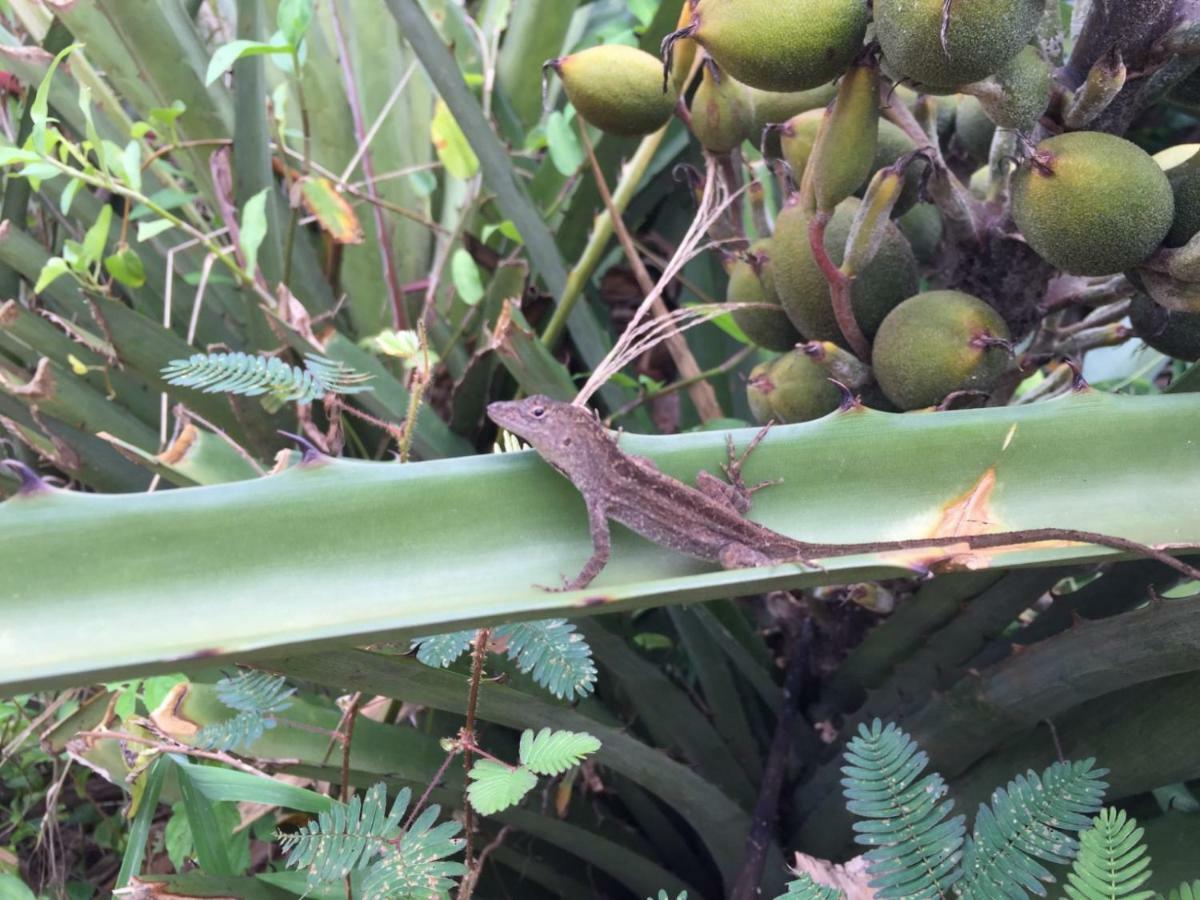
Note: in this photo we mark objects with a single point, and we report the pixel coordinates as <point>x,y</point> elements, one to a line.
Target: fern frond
<point>804,888</point>
<point>1028,821</point>
<point>558,657</point>
<point>916,848</point>
<point>1112,862</point>
<point>1186,891</point>
<point>346,837</point>
<point>253,691</point>
<point>240,732</point>
<point>440,650</point>
<point>663,895</point>
<point>252,376</point>
<point>418,867</point>
<point>495,786</point>
<point>257,696</point>
<point>552,752</point>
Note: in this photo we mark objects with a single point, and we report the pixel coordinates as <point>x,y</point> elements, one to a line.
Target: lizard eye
<point>537,412</point>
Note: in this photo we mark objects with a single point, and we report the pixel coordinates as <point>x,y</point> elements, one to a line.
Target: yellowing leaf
<point>336,216</point>
<point>451,144</point>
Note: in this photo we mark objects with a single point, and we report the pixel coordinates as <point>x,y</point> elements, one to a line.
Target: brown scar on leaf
<point>179,448</point>
<point>168,716</point>
<point>39,387</point>
<point>595,600</point>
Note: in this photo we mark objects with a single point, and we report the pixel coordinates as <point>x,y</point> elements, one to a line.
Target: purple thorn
<point>31,481</point>
<point>311,451</point>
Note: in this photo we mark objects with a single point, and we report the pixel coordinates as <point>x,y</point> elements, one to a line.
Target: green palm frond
<point>916,848</point>
<point>1028,821</point>
<point>361,835</point>
<point>553,752</point>
<point>252,376</point>
<point>257,696</point>
<point>554,653</point>
<point>804,888</point>
<point>1112,862</point>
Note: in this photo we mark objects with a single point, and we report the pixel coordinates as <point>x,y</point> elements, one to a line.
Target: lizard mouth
<point>503,413</point>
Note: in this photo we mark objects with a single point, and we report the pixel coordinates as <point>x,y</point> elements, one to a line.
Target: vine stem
<point>468,738</point>
<point>839,288</point>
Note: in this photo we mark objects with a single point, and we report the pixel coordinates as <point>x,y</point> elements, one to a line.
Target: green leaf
<point>495,786</point>
<point>336,216</point>
<point>131,162</point>
<point>68,196</point>
<point>451,144</point>
<point>54,267</point>
<point>441,650</point>
<point>126,267</point>
<point>293,19</point>
<point>13,888</point>
<point>148,230</point>
<point>177,837</point>
<point>227,54</point>
<point>556,655</point>
<point>96,237</point>
<point>565,150</point>
<point>253,225</point>
<point>143,818</point>
<point>38,172</point>
<point>39,110</point>
<point>1112,862</point>
<point>506,228</point>
<point>553,752</point>
<point>10,156</point>
<point>467,280</point>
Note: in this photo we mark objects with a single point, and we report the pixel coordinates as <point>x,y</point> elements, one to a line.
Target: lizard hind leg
<point>733,470</point>
<point>741,556</point>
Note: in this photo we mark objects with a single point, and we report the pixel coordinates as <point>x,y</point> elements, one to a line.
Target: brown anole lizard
<point>708,521</point>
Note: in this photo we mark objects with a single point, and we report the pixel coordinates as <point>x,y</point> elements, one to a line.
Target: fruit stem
<point>839,288</point>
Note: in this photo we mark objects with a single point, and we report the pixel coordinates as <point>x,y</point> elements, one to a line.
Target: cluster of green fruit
<point>795,75</point>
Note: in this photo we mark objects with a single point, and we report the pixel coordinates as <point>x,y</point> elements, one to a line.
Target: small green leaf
<point>13,888</point>
<point>148,230</point>
<point>39,110</point>
<point>565,150</point>
<point>495,786</point>
<point>293,19</point>
<point>165,116</point>
<point>228,54</point>
<point>451,144</point>
<point>253,228</point>
<point>38,172</point>
<point>506,228</point>
<point>54,267</point>
<point>553,752</point>
<point>68,196</point>
<point>96,237</point>
<point>652,640</point>
<point>467,280</point>
<point>132,162</point>
<point>12,155</point>
<point>126,267</point>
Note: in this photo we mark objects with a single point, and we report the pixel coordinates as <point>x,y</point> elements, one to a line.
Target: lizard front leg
<point>601,550</point>
<point>736,494</point>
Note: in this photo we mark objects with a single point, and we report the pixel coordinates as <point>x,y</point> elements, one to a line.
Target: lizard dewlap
<point>780,45</point>
<point>618,89</point>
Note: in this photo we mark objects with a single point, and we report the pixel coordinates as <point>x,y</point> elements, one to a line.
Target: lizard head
<point>556,430</point>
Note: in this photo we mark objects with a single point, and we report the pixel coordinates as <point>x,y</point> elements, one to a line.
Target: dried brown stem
<point>468,738</point>
<point>700,391</point>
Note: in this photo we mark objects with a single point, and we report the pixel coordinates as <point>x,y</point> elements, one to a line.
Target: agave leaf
<point>339,550</point>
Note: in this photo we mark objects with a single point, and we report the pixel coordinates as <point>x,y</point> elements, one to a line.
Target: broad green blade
<point>106,586</point>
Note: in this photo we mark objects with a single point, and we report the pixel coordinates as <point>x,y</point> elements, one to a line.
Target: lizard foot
<point>733,468</point>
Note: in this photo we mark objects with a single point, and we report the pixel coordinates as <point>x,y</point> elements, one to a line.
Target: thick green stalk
<point>350,551</point>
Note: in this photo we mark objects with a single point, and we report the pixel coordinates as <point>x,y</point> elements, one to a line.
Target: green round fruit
<point>980,39</point>
<point>722,115</point>
<point>1091,203</point>
<point>752,281</point>
<point>781,45</point>
<point>616,88</point>
<point>973,130</point>
<point>796,140</point>
<point>792,388</point>
<point>923,227</point>
<point>1019,93</point>
<point>775,108</point>
<point>936,343</point>
<point>887,279</point>
<point>1176,334</point>
<point>1185,185</point>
